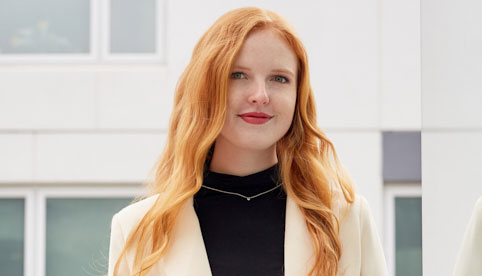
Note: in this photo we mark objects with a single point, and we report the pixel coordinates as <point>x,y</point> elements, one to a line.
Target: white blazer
<point>469,261</point>
<point>362,254</point>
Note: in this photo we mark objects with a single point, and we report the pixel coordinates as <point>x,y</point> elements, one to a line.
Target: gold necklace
<point>248,198</point>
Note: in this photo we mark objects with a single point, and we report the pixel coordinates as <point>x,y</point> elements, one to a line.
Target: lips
<point>256,118</point>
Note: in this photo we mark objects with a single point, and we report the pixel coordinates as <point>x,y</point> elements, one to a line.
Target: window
<point>403,229</point>
<point>12,212</point>
<point>408,235</point>
<point>136,35</point>
<point>58,231</point>
<point>77,234</point>
<point>45,27</point>
<point>82,31</point>
<point>16,234</point>
<point>133,30</point>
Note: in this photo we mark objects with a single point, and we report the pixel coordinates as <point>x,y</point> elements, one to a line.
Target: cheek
<point>236,92</point>
<point>233,103</point>
<point>286,105</point>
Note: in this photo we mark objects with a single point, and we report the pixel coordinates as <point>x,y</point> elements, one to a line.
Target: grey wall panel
<point>402,157</point>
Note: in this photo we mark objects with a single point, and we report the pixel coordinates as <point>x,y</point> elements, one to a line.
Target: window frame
<point>390,193</point>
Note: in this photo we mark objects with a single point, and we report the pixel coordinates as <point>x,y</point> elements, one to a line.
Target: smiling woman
<point>247,184</point>
<point>261,104</point>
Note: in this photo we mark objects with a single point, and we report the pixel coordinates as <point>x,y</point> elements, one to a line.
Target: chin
<point>257,145</point>
<point>249,141</point>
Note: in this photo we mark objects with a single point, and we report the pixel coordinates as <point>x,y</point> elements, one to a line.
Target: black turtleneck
<point>243,238</point>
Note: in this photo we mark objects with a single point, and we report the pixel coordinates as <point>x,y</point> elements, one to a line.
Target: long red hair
<point>309,167</point>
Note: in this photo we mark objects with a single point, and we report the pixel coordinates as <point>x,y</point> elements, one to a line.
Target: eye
<point>237,75</point>
<point>280,79</point>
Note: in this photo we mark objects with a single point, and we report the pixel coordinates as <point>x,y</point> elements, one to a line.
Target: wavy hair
<point>308,164</point>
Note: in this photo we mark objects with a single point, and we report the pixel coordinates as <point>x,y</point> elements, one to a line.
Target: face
<point>262,92</point>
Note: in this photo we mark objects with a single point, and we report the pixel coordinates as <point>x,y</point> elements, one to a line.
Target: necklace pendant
<point>248,198</point>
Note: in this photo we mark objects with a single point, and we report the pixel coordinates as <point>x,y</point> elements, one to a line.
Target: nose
<point>258,94</point>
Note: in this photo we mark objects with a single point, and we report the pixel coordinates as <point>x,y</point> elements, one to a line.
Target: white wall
<point>452,126</point>
<point>107,123</point>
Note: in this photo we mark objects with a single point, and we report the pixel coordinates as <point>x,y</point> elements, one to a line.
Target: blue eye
<point>280,79</point>
<point>237,75</point>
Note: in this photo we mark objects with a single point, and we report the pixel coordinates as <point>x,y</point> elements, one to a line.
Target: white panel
<point>96,157</point>
<point>451,85</point>
<point>134,98</point>
<point>452,67</point>
<point>400,65</point>
<point>360,153</point>
<point>16,153</point>
<point>39,99</point>
<point>344,76</point>
<point>451,185</point>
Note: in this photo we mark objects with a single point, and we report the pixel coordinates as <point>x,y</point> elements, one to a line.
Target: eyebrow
<point>278,70</point>
<point>286,71</point>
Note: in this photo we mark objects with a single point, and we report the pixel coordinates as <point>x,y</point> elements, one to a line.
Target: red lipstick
<point>256,118</point>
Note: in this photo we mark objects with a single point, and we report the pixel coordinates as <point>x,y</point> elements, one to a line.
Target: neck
<point>229,159</point>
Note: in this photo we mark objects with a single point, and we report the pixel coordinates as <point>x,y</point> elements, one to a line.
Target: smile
<point>256,118</point>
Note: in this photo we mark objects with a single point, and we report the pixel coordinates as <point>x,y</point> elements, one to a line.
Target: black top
<point>243,238</point>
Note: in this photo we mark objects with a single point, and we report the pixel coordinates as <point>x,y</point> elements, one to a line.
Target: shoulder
<point>131,215</point>
<point>362,252</point>
<point>343,210</point>
<point>354,217</point>
<point>141,206</point>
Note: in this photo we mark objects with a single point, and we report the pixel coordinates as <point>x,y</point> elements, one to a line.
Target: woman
<point>247,184</point>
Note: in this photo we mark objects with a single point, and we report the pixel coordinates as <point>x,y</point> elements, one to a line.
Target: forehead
<point>267,47</point>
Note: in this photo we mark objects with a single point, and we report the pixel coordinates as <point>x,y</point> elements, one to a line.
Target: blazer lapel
<point>298,244</point>
<point>187,254</point>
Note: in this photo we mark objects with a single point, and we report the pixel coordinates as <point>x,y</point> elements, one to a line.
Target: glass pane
<point>12,212</point>
<point>78,232</point>
<point>47,26</point>
<point>408,231</point>
<point>133,26</point>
